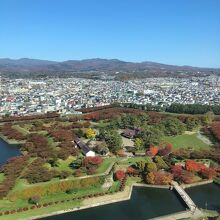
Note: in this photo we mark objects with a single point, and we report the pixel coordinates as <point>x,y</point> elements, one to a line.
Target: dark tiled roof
<point>129,133</point>
<point>82,145</point>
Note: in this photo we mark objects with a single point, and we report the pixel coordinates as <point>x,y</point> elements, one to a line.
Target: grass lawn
<point>22,183</point>
<point>100,124</point>
<point>105,165</point>
<point>20,129</point>
<point>186,141</point>
<point>41,211</point>
<point>115,186</point>
<point>7,205</point>
<point>10,141</point>
<point>133,160</point>
<point>2,177</point>
<point>63,165</point>
<point>27,126</point>
<point>51,142</point>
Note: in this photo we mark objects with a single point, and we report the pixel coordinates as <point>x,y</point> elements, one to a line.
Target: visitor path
<point>193,211</point>
<point>184,196</point>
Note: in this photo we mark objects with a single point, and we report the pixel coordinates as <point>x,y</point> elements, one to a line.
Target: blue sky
<point>182,32</point>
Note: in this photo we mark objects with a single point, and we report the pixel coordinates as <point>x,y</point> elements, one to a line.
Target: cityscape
<point>66,95</point>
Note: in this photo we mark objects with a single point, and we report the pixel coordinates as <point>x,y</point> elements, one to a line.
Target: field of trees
<point>52,167</point>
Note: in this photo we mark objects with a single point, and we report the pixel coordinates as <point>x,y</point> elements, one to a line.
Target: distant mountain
<point>26,65</point>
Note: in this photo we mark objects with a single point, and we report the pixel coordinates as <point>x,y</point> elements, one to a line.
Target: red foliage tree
<point>192,166</point>
<point>165,149</point>
<point>153,150</point>
<point>119,175</point>
<point>177,171</point>
<point>215,129</point>
<point>132,171</point>
<point>208,173</point>
<point>89,162</point>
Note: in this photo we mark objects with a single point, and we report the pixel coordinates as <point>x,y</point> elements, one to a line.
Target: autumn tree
<point>165,149</point>
<point>151,167</point>
<point>208,173</point>
<point>161,164</point>
<point>152,151</point>
<point>159,178</point>
<point>90,133</point>
<point>194,166</point>
<point>119,175</point>
<point>141,165</point>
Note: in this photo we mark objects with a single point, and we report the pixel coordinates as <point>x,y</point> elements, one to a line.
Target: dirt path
<point>203,138</point>
<point>106,199</point>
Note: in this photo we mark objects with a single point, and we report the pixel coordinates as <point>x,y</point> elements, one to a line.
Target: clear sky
<point>182,32</point>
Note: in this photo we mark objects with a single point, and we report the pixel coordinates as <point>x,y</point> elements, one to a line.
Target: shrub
<point>132,171</point>
<point>119,175</point>
<point>208,173</point>
<point>160,163</point>
<point>34,200</point>
<point>6,213</point>
<point>56,187</point>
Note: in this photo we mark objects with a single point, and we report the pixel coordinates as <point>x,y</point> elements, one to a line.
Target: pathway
<point>184,195</point>
<point>195,212</point>
<point>203,138</point>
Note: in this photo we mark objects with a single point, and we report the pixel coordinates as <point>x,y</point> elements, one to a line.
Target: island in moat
<point>74,162</point>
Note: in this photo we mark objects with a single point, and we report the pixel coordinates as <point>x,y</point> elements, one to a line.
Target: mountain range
<point>26,65</point>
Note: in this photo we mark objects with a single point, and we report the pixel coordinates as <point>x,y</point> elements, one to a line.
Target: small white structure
<point>90,154</point>
<point>85,149</point>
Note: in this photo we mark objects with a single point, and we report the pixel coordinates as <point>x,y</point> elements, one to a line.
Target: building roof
<point>82,145</point>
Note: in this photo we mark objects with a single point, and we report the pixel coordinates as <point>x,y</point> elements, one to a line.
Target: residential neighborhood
<point>66,95</point>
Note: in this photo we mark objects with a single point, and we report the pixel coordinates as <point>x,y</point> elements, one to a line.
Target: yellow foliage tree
<point>90,133</point>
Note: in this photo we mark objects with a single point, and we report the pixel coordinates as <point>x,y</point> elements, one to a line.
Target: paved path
<point>195,212</point>
<point>203,138</point>
<point>174,216</point>
<point>184,195</point>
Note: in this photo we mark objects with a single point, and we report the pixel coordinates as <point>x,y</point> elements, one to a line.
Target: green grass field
<point>186,141</point>
<point>134,160</point>
<point>2,177</point>
<point>41,211</point>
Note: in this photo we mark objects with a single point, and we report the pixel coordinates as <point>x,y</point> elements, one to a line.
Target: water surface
<point>7,151</point>
<point>145,203</point>
<point>206,196</point>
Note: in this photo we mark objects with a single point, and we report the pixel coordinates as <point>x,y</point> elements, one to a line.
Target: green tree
<point>113,140</point>
<point>191,123</point>
<point>161,164</point>
<point>151,167</point>
<point>138,143</point>
<point>151,135</point>
<point>141,165</point>
<point>173,126</point>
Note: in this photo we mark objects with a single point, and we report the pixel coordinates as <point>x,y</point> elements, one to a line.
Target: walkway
<point>184,195</point>
<point>195,212</point>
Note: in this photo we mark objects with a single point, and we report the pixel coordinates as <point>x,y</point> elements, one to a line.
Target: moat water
<point>145,203</point>
<point>7,151</point>
<point>206,196</point>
